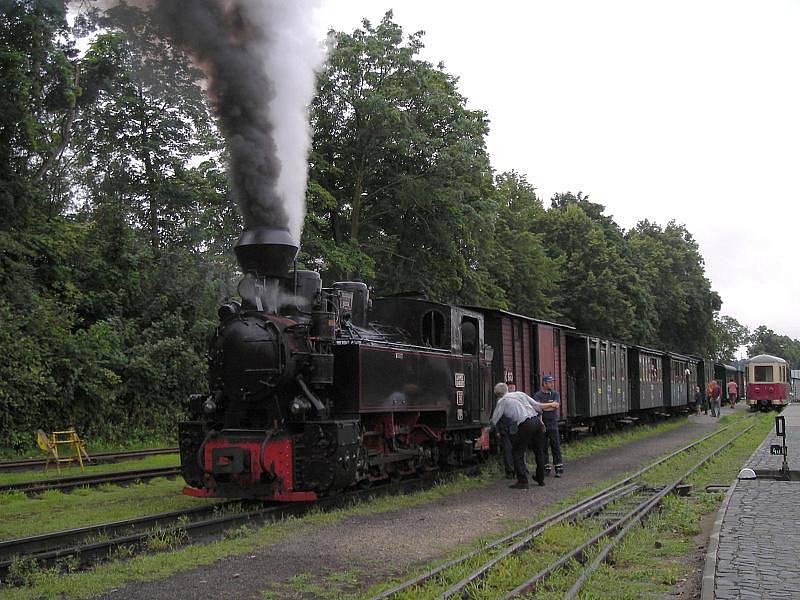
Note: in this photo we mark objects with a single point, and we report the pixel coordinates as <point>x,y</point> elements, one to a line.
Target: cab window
<point>469,335</point>
<point>433,329</point>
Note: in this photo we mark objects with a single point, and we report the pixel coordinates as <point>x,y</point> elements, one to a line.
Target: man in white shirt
<point>523,411</point>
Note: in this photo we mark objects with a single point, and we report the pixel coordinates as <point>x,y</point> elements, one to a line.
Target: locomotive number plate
<point>509,376</point>
<point>460,414</point>
<point>460,380</point>
<point>460,397</point>
<point>346,302</point>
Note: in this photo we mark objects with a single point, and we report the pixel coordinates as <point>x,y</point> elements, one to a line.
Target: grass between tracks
<point>109,503</point>
<point>649,562</point>
<point>55,511</point>
<point>149,462</point>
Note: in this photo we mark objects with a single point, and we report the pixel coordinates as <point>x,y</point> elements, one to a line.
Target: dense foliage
<point>116,223</point>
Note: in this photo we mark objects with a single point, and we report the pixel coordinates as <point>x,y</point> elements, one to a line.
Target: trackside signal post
<point>781,449</point>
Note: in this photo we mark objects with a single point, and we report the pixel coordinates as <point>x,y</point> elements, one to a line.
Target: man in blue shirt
<point>550,417</point>
<point>523,411</point>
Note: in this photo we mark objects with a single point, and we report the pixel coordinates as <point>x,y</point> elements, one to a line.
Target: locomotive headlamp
<point>209,406</point>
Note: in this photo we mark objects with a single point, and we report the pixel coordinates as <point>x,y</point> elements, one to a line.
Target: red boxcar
<point>525,350</point>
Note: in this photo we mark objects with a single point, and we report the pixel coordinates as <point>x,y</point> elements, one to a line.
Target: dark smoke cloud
<point>225,44</point>
<point>260,59</point>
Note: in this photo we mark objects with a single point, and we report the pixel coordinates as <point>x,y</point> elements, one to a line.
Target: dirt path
<point>357,552</point>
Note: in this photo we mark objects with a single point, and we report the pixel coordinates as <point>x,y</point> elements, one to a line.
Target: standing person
<point>733,390</point>
<point>716,394</point>
<point>524,412</point>
<point>507,430</point>
<point>700,400</point>
<point>547,394</point>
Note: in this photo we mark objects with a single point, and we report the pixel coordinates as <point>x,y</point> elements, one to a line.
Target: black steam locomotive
<point>317,389</point>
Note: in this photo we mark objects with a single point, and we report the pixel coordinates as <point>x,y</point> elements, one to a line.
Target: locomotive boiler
<point>318,389</point>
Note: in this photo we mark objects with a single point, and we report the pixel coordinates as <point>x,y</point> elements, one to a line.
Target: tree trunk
<point>66,132</point>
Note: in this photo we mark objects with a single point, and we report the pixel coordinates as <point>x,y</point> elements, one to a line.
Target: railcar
<point>679,379</point>
<point>597,376</point>
<point>645,367</point>
<point>724,373</point>
<point>525,350</point>
<point>767,382</point>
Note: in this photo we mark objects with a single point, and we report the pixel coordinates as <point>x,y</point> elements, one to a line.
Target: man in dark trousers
<point>507,430</point>
<point>523,411</point>
<point>548,395</point>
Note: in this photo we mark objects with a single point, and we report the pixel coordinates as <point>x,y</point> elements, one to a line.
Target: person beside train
<point>700,401</point>
<point>523,411</point>
<point>548,394</point>
<point>715,397</point>
<point>733,391</point>
<point>507,429</point>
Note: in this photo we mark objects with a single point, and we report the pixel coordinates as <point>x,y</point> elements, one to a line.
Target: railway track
<point>99,458</point>
<point>70,483</point>
<point>612,512</point>
<point>88,545</point>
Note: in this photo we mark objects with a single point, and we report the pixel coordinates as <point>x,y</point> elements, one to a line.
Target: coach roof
<point>765,358</point>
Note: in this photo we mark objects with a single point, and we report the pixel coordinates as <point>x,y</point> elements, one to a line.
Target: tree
<point>728,336</point>
<point>39,91</point>
<point>399,170</point>
<point>596,280</point>
<point>520,264</point>
<point>669,263</point>
<point>765,341</point>
<point>149,122</point>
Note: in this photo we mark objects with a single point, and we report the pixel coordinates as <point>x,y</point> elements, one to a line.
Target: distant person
<point>716,395</point>
<point>550,417</point>
<point>699,400</point>
<point>524,412</point>
<point>733,391</point>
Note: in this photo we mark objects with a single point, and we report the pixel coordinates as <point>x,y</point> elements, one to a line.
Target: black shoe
<point>540,481</point>
<point>547,470</point>
<point>520,485</point>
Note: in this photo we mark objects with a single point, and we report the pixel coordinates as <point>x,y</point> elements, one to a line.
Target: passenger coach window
<point>469,335</point>
<point>763,374</point>
<point>433,328</point>
<point>602,365</point>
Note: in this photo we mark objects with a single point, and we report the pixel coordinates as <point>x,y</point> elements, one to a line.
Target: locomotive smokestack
<point>266,252</point>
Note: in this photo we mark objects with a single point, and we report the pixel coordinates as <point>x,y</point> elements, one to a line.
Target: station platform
<point>753,549</point>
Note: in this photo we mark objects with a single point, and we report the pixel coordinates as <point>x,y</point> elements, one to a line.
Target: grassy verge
<point>54,511</point>
<point>149,462</point>
<point>96,446</point>
<point>158,496</point>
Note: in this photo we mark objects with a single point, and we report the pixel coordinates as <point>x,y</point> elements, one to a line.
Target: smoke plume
<point>260,58</point>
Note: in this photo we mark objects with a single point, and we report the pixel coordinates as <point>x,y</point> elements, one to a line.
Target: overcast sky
<point>669,110</point>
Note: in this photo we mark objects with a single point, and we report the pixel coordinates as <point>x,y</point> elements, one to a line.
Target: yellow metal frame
<point>50,446</point>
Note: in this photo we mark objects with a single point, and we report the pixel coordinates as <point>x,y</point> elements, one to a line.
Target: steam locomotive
<point>309,395</point>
